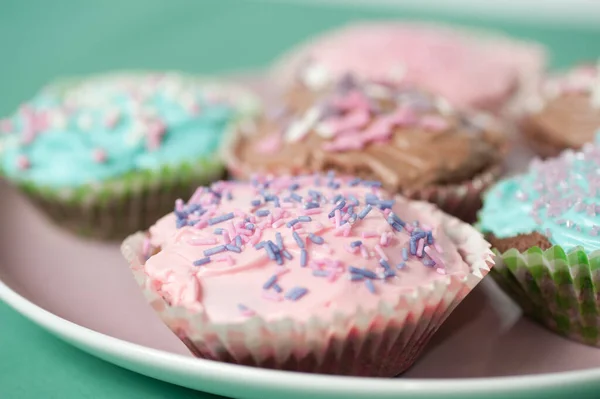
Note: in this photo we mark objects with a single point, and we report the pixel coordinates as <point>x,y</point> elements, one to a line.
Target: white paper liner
<point>381,342</point>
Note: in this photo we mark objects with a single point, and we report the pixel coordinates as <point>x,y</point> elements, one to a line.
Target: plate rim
<point>109,348</point>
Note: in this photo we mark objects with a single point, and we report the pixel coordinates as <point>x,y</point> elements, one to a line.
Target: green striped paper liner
<point>113,209</point>
<point>556,288</point>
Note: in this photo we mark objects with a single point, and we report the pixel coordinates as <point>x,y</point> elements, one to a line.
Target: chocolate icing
<point>412,156</point>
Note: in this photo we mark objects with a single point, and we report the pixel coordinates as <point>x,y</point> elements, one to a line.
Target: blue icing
<point>62,152</point>
<point>559,198</point>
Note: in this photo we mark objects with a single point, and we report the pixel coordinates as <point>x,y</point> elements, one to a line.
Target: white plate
<point>83,292</point>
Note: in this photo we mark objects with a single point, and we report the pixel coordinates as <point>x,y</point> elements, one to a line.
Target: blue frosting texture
<point>559,198</point>
<point>102,128</point>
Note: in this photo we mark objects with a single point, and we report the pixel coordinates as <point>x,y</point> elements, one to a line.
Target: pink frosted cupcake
<point>472,69</point>
<point>312,273</point>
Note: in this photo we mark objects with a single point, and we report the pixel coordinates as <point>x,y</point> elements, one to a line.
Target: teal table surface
<point>40,40</point>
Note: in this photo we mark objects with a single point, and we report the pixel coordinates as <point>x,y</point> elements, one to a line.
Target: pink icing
<point>468,70</point>
<point>229,287</point>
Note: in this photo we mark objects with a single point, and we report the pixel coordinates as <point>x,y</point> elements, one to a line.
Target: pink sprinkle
<point>270,144</point>
<point>346,217</point>
<point>350,249</point>
<point>369,234</point>
<point>226,238</point>
<point>434,123</point>
<point>272,296</point>
<point>313,211</point>
<point>179,204</point>
<point>256,237</point>
<point>239,213</point>
<point>337,216</point>
<point>332,277</point>
<point>387,212</point>
<point>420,247</point>
<point>23,162</point>
<point>99,155</point>
<point>146,247</point>
<point>278,223</point>
<point>438,248</point>
<point>383,240</point>
<point>403,116</point>
<point>200,224</point>
<point>426,227</point>
<point>409,227</point>
<point>364,252</point>
<point>380,252</point>
<point>247,312</point>
<point>202,241</point>
<point>435,256</point>
<point>440,271</point>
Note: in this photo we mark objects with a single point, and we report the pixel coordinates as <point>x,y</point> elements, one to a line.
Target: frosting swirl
<point>557,198</point>
<point>298,246</point>
<point>80,132</point>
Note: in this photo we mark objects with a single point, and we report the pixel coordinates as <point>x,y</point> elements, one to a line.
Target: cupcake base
<point>113,210</point>
<point>558,289</point>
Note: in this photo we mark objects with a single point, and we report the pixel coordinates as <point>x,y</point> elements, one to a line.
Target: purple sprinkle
<point>249,226</point>
<point>270,252</point>
<point>320,273</point>
<point>296,293</point>
<point>398,220</point>
<point>350,209</point>
<point>296,197</point>
<point>389,273</point>
<point>260,245</point>
<point>286,254</point>
<point>413,247</point>
<point>316,239</point>
<point>384,263</point>
<point>304,218</point>
<point>363,272</point>
<point>429,238</point>
<point>214,250</point>
<point>270,282</point>
<point>202,261</point>
<point>180,223</point>
<point>355,244</point>
<point>303,255</point>
<point>354,182</point>
<point>277,203</point>
<point>218,231</point>
<point>294,186</point>
<point>311,205</point>
<point>262,212</point>
<point>274,247</point>
<point>233,248</point>
<point>416,236</point>
<point>269,197</point>
<point>292,222</point>
<point>371,183</point>
<point>220,219</point>
<point>278,258</point>
<point>314,194</point>
<point>279,240</point>
<point>238,241</point>
<point>277,288</point>
<point>352,199</point>
<point>386,204</point>
<point>428,263</point>
<point>255,202</point>
<point>370,286</point>
<point>401,265</point>
<point>365,211</point>
<point>298,239</point>
<point>356,277</point>
<point>404,254</point>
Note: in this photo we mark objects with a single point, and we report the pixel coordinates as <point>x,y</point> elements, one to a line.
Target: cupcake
<point>107,155</point>
<point>415,143</point>
<point>545,227</point>
<point>315,273</point>
<point>472,69</point>
<point>565,114</point>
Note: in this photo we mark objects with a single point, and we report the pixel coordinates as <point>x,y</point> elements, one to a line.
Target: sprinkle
<point>303,255</point>
<point>287,255</point>
<point>370,286</point>
<point>278,223</point>
<point>298,240</point>
<point>311,205</point>
<point>262,213</point>
<point>369,234</point>
<point>314,211</point>
<point>420,247</point>
<point>245,311</point>
<point>365,212</point>
<point>220,219</point>
<point>320,273</point>
<point>270,251</point>
<point>339,205</point>
<point>277,288</point>
<point>270,282</point>
<point>413,247</point>
<point>428,263</point>
<point>226,239</point>
<point>296,293</point>
<point>255,202</point>
<point>202,261</point>
<point>363,272</point>
<point>364,252</point>
<point>233,248</point>
<point>296,197</point>
<point>279,240</point>
<point>435,256</point>
<point>404,254</point>
<point>371,183</point>
<point>380,252</point>
<point>218,231</point>
<point>304,218</point>
<point>355,244</point>
<point>384,263</point>
<point>354,182</point>
<point>294,186</point>
<point>401,265</point>
<point>292,222</point>
<point>386,204</point>
<point>214,250</point>
<point>315,239</point>
<point>272,296</point>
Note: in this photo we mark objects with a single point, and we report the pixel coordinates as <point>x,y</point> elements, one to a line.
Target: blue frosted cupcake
<point>545,228</point>
<point>105,156</point>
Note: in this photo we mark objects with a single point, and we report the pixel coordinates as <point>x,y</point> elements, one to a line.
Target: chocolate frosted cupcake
<point>416,144</point>
<point>545,227</point>
<point>565,113</point>
<point>104,156</point>
<point>315,273</point>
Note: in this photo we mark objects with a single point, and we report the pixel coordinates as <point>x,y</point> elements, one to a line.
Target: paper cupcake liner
<point>112,210</point>
<point>558,289</point>
<point>461,200</point>
<point>381,342</point>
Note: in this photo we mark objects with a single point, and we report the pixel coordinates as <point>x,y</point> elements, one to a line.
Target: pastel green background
<point>43,39</point>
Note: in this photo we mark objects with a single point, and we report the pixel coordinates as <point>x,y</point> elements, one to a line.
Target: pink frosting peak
<point>301,246</point>
<point>470,70</point>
